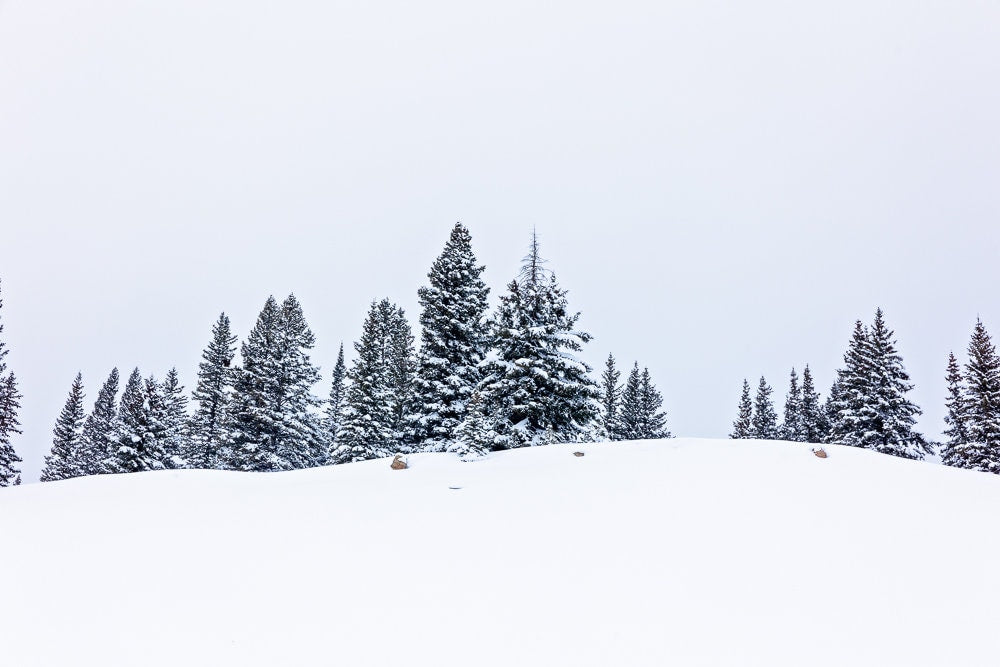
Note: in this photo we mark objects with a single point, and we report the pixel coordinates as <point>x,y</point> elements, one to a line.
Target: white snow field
<point>677,552</point>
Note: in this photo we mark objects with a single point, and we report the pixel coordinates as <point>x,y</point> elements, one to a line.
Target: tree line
<point>476,382</point>
<point>867,406</point>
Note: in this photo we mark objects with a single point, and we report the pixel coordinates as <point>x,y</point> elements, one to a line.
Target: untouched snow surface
<point>678,552</point>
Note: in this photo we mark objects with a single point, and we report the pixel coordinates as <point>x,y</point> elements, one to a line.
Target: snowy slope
<point>680,552</point>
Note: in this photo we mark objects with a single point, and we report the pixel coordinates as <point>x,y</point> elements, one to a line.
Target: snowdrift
<point>677,552</point>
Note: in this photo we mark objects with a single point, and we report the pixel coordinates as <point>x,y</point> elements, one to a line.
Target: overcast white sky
<point>723,186</point>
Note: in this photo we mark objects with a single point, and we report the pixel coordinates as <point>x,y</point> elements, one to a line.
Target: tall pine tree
<point>743,426</point>
<point>335,404</point>
<point>765,419</point>
<point>98,440</point>
<point>380,388</point>
<point>534,384</point>
<point>140,433</point>
<point>274,425</point>
<point>453,341</point>
<point>871,408</point>
<point>813,423</point>
<point>175,421</point>
<point>62,461</point>
<point>791,427</point>
<point>208,442</point>
<point>956,416</point>
<point>654,420</point>
<point>980,407</point>
<point>611,393</point>
<point>10,404</point>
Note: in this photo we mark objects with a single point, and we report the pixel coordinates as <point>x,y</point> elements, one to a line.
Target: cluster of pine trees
<point>973,405</point>
<point>632,411</point>
<point>805,420</point>
<point>866,407</point>
<point>474,383</point>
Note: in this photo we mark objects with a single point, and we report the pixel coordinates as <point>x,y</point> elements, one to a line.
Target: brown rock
<point>577,454</point>
<point>820,453</point>
<point>399,463</point>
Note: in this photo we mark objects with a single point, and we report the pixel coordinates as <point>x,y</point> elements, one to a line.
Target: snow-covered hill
<point>679,552</point>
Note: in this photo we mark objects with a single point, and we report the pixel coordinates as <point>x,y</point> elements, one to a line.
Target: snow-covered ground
<point>679,552</point>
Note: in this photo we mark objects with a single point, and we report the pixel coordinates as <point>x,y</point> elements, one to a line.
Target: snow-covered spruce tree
<point>872,410</point>
<point>848,408</point>
<point>629,425</point>
<point>611,393</point>
<point>654,420</point>
<point>62,461</point>
<point>139,429</point>
<point>765,419</point>
<point>401,368</point>
<point>475,435</point>
<point>791,427</point>
<point>534,385</point>
<point>743,426</point>
<point>175,421</point>
<point>208,442</point>
<point>956,415</point>
<point>896,414</point>
<point>981,406</point>
<point>380,388</point>
<point>10,403</point>
<point>453,341</point>
<point>335,403</point>
<point>98,439</point>
<point>272,419</point>
<point>813,423</point>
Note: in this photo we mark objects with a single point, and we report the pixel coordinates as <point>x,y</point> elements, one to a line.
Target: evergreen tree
<point>140,432</point>
<point>175,421</point>
<point>475,435</point>
<point>534,384</point>
<point>629,425</point>
<point>98,440</point>
<point>981,407</point>
<point>654,421</point>
<point>401,367</point>
<point>62,460</point>
<point>335,404</point>
<point>273,423</point>
<point>791,427</point>
<point>871,408</point>
<point>743,426</point>
<point>849,418</point>
<point>611,394</point>
<point>208,442</point>
<point>896,414</point>
<point>453,341</point>
<point>10,403</point>
<point>380,385</point>
<point>765,419</point>
<point>813,423</point>
<point>956,417</point>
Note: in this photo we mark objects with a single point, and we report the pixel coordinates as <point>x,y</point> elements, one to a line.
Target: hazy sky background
<point>723,186</point>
